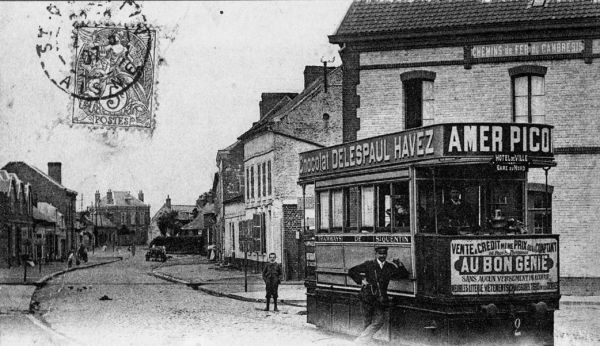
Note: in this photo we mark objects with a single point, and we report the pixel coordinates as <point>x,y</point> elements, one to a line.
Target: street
<point>146,310</point>
<point>141,309</point>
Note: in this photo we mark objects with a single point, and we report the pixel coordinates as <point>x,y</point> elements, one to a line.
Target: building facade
<point>309,120</point>
<point>130,215</point>
<point>412,64</point>
<point>16,219</point>
<point>49,232</point>
<point>48,188</point>
<point>185,214</point>
<point>229,193</point>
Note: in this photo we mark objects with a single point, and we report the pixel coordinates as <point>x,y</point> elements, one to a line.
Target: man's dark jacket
<point>372,271</point>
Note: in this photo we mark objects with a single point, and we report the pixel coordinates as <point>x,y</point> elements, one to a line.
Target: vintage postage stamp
<point>103,55</point>
<point>114,76</point>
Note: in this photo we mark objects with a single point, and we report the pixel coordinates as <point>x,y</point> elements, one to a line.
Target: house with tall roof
<point>288,125</point>
<point>16,219</point>
<point>409,64</point>
<point>48,188</point>
<point>128,213</point>
<point>185,214</point>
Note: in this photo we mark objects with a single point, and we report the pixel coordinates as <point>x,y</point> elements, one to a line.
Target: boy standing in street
<point>272,276</point>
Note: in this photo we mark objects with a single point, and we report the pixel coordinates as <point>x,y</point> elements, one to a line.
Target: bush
<point>181,245</point>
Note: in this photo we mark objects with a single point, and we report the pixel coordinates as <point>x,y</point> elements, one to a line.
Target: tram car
<point>466,207</point>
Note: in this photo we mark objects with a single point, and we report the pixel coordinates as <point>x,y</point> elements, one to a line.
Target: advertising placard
<point>503,266</point>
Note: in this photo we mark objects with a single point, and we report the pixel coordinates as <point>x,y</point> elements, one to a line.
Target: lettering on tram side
<point>467,139</point>
<point>398,147</point>
<point>360,238</point>
<point>503,266</point>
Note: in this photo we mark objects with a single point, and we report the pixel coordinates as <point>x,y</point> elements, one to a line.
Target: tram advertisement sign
<point>503,266</point>
<point>431,142</point>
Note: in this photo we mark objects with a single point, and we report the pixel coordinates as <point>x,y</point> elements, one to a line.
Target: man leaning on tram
<point>374,276</point>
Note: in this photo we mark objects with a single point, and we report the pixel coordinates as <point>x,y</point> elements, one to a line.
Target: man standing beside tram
<point>374,277</point>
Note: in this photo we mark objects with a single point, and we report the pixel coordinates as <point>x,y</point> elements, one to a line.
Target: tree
<point>168,221</point>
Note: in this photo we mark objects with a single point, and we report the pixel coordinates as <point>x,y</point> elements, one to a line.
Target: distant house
<point>98,226</point>
<point>48,188</point>
<point>185,214</point>
<point>130,215</point>
<point>49,232</point>
<point>204,224</point>
<point>16,212</point>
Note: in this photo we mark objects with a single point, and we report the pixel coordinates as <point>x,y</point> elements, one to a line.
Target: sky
<point>216,58</point>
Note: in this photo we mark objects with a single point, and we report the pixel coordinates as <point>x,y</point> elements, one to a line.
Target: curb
<point>42,281</point>
<point>198,286</point>
<point>64,340</point>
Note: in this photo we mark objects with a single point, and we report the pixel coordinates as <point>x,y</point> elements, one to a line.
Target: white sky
<point>217,65</point>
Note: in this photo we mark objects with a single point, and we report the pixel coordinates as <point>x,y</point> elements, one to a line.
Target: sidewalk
<point>38,274</point>
<point>15,293</point>
<point>211,278</point>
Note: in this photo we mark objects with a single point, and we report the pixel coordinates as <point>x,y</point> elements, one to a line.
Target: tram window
<point>351,199</point>
<point>337,208</point>
<point>505,201</point>
<point>324,211</point>
<point>384,202</point>
<point>367,208</point>
<point>425,206</point>
<point>400,207</point>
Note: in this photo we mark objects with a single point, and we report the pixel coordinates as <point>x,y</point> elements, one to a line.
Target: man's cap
<point>381,249</point>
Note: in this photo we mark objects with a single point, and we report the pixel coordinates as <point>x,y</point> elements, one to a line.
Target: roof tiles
<point>379,17</point>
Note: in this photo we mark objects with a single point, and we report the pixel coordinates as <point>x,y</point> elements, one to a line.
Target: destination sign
<point>436,141</point>
<point>527,48</point>
<point>504,266</point>
<point>510,163</point>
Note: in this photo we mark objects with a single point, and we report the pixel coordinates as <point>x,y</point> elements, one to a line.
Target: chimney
<point>97,198</point>
<point>54,171</point>
<point>270,100</point>
<point>168,202</point>
<point>141,195</point>
<point>109,197</point>
<point>312,73</point>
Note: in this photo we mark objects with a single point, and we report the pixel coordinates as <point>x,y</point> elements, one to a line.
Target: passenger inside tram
<point>469,202</point>
<point>456,214</point>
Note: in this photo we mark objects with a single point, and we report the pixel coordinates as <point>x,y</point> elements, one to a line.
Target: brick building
<point>130,215</point>
<point>48,188</point>
<point>288,124</point>
<point>415,63</point>
<point>229,193</point>
<point>16,219</point>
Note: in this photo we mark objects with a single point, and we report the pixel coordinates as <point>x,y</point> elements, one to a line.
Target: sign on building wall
<point>503,266</point>
<point>527,48</point>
